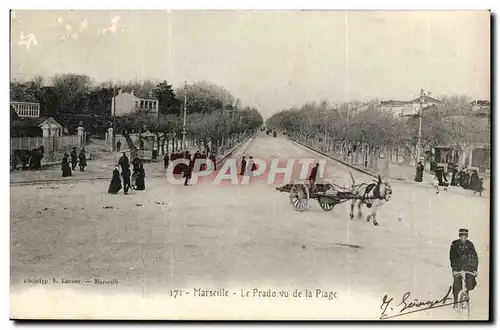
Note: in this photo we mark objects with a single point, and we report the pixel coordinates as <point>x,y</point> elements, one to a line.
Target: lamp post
<point>113,139</point>
<point>420,115</point>
<point>184,129</point>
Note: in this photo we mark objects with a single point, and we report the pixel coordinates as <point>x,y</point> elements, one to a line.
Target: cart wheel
<point>299,197</point>
<point>326,206</point>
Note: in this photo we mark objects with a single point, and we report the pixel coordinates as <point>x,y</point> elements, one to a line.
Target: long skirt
<point>139,183</point>
<point>115,186</point>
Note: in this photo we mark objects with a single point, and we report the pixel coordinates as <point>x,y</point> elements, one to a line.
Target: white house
<point>26,109</point>
<point>129,102</point>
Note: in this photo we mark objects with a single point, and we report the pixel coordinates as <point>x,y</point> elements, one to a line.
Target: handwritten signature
<point>408,305</point>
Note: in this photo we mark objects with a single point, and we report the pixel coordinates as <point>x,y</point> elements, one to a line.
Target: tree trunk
<point>157,141</point>
<point>131,146</point>
<point>163,144</point>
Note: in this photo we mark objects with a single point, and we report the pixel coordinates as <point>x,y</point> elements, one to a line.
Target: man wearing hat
<point>463,256</point>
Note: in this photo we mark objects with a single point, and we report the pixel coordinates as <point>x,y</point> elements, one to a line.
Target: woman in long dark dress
<point>419,172</point>
<point>140,183</point>
<point>116,183</point>
<point>66,169</point>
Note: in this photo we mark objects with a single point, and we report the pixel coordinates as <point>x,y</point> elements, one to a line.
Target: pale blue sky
<point>268,59</point>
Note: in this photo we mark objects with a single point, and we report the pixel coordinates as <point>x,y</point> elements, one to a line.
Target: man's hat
<point>463,231</point>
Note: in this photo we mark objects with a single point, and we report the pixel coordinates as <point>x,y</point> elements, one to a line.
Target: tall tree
<point>168,103</point>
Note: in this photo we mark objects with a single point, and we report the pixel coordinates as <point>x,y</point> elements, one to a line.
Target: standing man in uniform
<point>463,256</point>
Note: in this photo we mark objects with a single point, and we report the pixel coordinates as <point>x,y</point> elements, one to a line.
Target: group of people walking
<point>187,170</point>
<point>134,180</point>
<point>76,159</point>
<point>465,178</point>
<point>247,167</point>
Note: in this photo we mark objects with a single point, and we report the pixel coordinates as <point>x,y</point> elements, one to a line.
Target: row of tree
<point>214,114</point>
<point>349,126</point>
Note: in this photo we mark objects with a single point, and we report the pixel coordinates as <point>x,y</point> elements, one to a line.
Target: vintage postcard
<point>250,165</point>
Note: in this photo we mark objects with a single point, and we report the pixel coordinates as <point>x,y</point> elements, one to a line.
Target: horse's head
<point>385,189</point>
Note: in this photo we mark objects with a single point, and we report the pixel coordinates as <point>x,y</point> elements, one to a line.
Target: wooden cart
<point>327,194</point>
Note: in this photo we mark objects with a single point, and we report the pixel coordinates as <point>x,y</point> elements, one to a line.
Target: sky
<point>269,59</point>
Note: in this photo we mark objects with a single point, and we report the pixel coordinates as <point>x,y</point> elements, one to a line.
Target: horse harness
<point>376,193</point>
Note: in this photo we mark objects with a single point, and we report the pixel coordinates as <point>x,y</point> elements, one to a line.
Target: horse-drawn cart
<point>327,194</point>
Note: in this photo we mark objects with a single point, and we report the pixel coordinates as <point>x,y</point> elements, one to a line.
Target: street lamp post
<point>184,129</point>
<point>420,115</point>
<point>114,119</point>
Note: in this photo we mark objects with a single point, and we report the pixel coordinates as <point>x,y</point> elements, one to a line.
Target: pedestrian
<point>465,179</point>
<point>197,154</point>
<point>126,179</point>
<point>123,161</point>
<point>35,162</point>
<point>116,183</point>
<point>419,172</point>
<point>74,159</point>
<point>165,161</point>
<point>82,160</point>
<point>203,166</point>
<point>187,173</point>
<point>135,164</point>
<point>118,145</point>
<point>243,165</point>
<point>463,257</point>
<point>140,183</point>
<point>254,166</point>
<point>250,166</point>
<point>475,183</point>
<point>455,179</point>
<point>213,160</point>
<point>66,169</point>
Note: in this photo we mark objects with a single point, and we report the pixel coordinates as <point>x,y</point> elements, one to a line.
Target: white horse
<point>373,195</point>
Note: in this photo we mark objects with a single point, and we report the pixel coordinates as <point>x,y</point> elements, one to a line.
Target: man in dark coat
<point>116,183</point>
<point>172,156</point>
<point>214,162</point>
<point>243,165</point>
<point>66,169</point>
<point>118,145</point>
<point>312,176</point>
<point>187,172</point>
<point>82,160</point>
<point>74,158</point>
<point>124,162</point>
<point>126,179</point>
<point>463,256</point>
<point>419,172</point>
